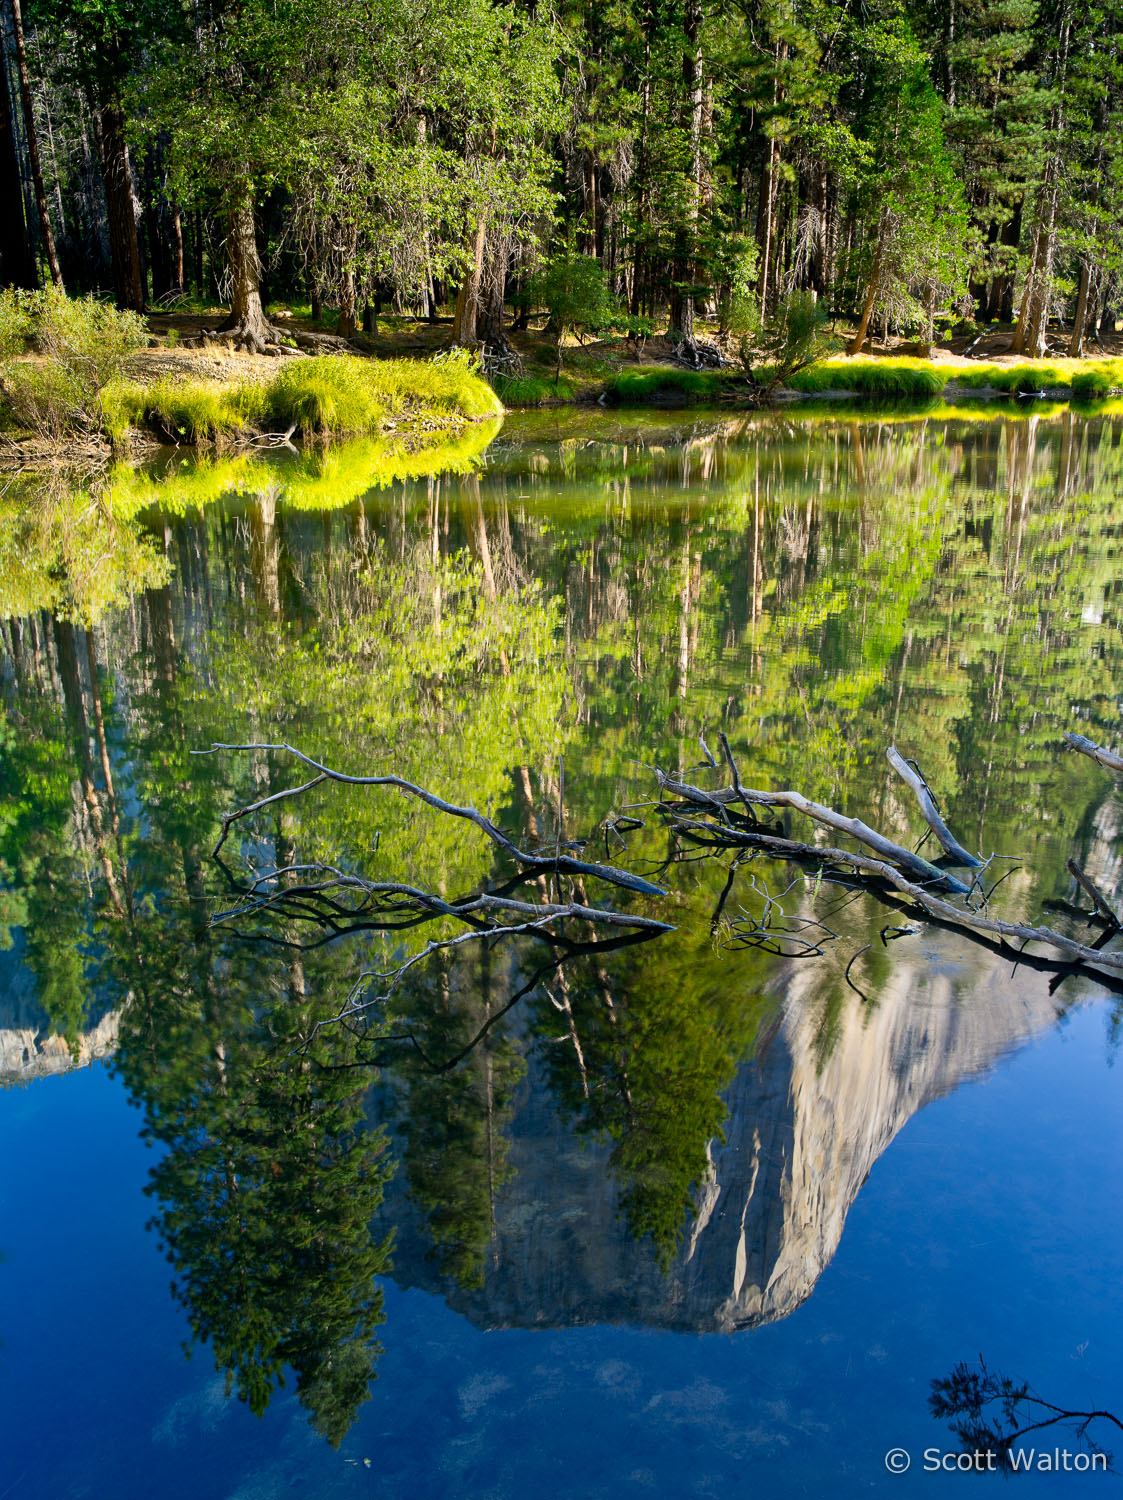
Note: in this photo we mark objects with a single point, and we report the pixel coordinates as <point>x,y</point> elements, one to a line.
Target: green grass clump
<point>199,411</point>
<point>640,387</point>
<point>448,385</point>
<point>340,394</point>
<point>531,390</point>
<point>1026,379</point>
<point>324,397</point>
<point>887,379</point>
<point>1090,385</point>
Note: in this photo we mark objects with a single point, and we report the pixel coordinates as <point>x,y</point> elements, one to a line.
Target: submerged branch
<point>562,864</point>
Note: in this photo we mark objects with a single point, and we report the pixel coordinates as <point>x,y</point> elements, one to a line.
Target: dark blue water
<point>993,1223</point>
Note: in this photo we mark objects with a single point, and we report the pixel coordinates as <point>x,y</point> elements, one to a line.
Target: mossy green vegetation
<point>62,374</point>
<point>532,390</point>
<point>889,379</point>
<point>664,384</point>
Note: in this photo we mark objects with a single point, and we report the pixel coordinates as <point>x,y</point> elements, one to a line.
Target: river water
<point>698,1215</point>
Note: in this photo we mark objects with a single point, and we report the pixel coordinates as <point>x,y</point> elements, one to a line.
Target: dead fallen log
<point>910,773</point>
<point>1093,751</point>
<point>720,800</point>
<point>822,856</point>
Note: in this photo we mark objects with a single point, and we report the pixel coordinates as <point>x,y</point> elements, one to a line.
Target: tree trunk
<point>468,298</point>
<point>867,309</point>
<point>246,326</point>
<point>32,138</point>
<point>124,247</point>
<point>1080,319</point>
<point>681,321</point>
<point>346,325</point>
<point>17,257</point>
<point>177,249</point>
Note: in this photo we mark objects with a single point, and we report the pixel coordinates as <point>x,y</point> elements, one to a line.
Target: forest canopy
<point>949,163</point>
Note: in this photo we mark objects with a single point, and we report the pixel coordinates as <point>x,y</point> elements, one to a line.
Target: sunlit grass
<point>641,387</point>
<point>890,379</point>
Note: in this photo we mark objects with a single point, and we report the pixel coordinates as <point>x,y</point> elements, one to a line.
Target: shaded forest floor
<point>588,364</point>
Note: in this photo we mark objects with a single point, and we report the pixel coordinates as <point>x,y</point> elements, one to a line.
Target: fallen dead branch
<point>1095,752</point>
<point>909,772</point>
<point>721,800</point>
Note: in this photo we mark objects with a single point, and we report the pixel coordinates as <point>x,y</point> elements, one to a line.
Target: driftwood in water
<point>719,836</point>
<point>909,772</point>
<point>913,864</point>
<point>557,863</point>
<point>1095,752</point>
<point>1099,900</point>
<point>715,828</point>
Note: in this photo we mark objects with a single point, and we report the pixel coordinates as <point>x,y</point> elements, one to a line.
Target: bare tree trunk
<point>177,248</point>
<point>468,298</point>
<point>17,257</point>
<point>1080,320</point>
<point>33,146</point>
<point>681,321</point>
<point>124,247</point>
<point>867,309</point>
<point>246,326</point>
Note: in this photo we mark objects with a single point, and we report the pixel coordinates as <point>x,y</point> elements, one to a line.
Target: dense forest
<point>957,161</point>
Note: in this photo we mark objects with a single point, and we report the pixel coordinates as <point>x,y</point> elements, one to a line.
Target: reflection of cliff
<point>801,1139</point>
<point>28,1049</point>
<point>28,1052</point>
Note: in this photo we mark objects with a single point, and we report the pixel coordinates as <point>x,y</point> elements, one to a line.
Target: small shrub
<point>77,346</point>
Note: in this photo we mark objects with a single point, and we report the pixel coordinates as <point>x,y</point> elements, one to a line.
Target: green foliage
<point>792,337</point>
<point>340,394</point>
<point>666,384</point>
<point>57,356</point>
<point>329,396</point>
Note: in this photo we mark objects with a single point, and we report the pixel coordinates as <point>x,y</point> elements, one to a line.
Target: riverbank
<point>211,396</point>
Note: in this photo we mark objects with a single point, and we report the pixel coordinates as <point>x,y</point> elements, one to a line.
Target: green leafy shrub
<point>640,387</point>
<point>790,339</point>
<point>58,354</point>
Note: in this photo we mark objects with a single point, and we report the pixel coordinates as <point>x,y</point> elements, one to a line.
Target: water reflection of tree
<point>806,592</point>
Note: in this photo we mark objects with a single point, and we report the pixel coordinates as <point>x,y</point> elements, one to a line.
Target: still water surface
<point>690,1217</point>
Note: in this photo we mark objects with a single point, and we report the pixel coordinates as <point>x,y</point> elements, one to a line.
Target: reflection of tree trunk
<point>265,552</point>
<point>31,137</point>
